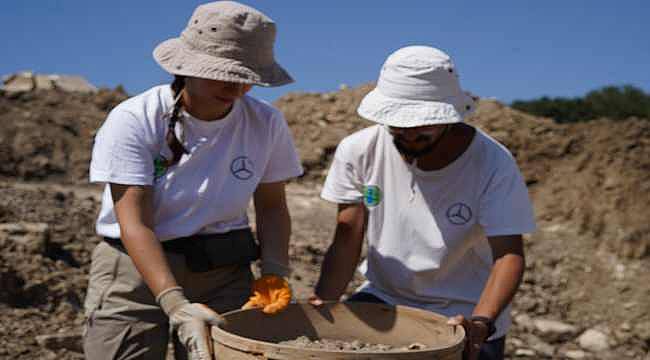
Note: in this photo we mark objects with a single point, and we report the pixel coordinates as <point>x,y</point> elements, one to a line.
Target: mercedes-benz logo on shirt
<point>459,214</point>
<point>242,168</point>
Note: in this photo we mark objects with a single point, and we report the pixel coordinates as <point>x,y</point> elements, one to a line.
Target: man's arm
<point>273,227</point>
<point>343,255</point>
<point>505,277</point>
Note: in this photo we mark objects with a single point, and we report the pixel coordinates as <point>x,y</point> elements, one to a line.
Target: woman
<point>181,164</point>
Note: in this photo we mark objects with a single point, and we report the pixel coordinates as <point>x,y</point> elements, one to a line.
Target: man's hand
<point>191,321</point>
<point>476,333</point>
<point>271,293</point>
<point>315,300</point>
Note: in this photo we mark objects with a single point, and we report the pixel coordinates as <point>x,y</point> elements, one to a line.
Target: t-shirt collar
<point>212,125</point>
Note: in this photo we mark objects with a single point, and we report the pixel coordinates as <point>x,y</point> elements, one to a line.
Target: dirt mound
<point>47,135</point>
<point>586,273</point>
<point>320,121</point>
<point>46,237</point>
<point>591,177</point>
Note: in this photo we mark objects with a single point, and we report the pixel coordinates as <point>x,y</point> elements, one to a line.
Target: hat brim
<point>411,113</point>
<point>178,59</point>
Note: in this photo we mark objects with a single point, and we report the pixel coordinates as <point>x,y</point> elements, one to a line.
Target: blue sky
<point>503,49</point>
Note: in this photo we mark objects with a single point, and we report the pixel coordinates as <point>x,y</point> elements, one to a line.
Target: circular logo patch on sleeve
<point>371,195</point>
<point>159,166</point>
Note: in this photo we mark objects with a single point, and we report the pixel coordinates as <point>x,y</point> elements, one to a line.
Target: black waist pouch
<point>210,251</point>
<point>207,252</point>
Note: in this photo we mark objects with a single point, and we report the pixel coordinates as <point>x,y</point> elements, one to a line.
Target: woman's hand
<point>271,293</point>
<point>191,321</point>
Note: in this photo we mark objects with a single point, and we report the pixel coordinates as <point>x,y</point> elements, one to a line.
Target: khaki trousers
<point>123,320</point>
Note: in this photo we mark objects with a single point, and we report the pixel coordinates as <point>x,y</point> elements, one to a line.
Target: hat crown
<point>225,41</point>
<point>232,30</point>
<point>419,73</point>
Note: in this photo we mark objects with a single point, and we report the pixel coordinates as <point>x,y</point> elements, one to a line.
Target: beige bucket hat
<point>417,86</point>
<point>226,41</point>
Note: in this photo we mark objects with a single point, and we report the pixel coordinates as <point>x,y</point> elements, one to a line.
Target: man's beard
<point>414,154</point>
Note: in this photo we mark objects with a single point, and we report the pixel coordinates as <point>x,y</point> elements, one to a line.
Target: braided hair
<point>173,142</point>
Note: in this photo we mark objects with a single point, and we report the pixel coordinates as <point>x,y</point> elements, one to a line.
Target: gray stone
<point>629,305</point>
<point>630,354</point>
<point>575,354</point>
<point>524,322</point>
<point>593,340</point>
<point>27,82</point>
<point>514,342</point>
<point>19,83</point>
<point>543,348</point>
<point>524,353</point>
<point>43,82</point>
<point>328,97</point>
<point>554,330</point>
<point>72,83</point>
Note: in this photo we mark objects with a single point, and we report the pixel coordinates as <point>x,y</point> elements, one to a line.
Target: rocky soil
<point>585,294</point>
<point>342,345</point>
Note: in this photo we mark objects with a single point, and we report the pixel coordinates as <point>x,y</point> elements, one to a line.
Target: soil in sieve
<point>341,345</point>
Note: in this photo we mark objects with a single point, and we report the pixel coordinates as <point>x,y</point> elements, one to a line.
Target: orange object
<point>271,293</point>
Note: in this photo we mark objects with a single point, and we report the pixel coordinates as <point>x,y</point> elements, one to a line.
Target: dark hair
<point>173,142</point>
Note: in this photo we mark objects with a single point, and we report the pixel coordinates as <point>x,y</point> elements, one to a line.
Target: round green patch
<point>159,166</point>
<point>371,195</point>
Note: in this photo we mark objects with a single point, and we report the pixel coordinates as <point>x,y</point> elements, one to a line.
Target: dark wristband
<point>487,321</point>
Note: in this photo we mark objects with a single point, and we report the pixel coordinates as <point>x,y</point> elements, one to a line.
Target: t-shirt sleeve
<point>120,153</point>
<point>505,207</point>
<point>284,162</point>
<point>343,184</point>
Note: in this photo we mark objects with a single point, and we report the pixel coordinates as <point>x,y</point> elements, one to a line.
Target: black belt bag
<point>210,251</point>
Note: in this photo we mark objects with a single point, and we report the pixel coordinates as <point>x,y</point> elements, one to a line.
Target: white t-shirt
<point>209,189</point>
<point>426,233</point>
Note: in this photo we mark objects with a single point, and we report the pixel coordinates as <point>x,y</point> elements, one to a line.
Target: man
<point>442,204</point>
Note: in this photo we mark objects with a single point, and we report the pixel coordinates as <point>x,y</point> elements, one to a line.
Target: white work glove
<point>191,321</point>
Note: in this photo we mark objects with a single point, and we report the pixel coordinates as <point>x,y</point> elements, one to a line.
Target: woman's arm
<point>273,227</point>
<point>134,211</point>
<point>271,292</point>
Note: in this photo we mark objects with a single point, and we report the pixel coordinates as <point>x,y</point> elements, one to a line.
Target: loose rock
<point>554,330</point>
<point>524,353</point>
<point>575,354</point>
<point>593,340</point>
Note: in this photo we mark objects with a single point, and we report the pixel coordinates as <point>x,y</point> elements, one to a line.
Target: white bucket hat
<point>417,86</point>
<point>226,41</point>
